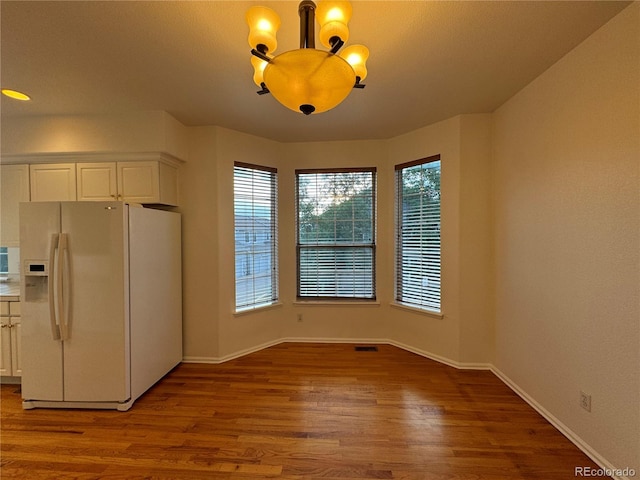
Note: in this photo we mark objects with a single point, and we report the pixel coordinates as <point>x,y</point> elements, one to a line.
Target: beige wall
<point>566,209</point>
<point>242,332</point>
<point>213,331</point>
<point>465,335</point>
<point>200,244</point>
<point>437,336</point>
<point>147,131</point>
<point>476,288</point>
<point>333,321</point>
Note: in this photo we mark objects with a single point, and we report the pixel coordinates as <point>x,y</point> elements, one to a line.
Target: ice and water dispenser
<point>36,281</point>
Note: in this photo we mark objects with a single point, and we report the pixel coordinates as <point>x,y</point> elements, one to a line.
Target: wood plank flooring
<point>297,411</point>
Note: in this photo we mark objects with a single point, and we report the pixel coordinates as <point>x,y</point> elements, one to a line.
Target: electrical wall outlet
<point>585,401</point>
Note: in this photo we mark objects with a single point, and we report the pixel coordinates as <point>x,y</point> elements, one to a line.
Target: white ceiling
<point>430,60</point>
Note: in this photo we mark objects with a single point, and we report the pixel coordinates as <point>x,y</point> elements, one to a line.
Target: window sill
<point>336,303</point>
<point>260,308</point>
<point>421,311</point>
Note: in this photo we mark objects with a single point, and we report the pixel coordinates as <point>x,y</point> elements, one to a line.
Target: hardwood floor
<point>297,411</point>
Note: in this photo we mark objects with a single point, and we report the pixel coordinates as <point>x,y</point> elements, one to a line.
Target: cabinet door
<point>14,189</point>
<point>53,182</point>
<point>168,184</point>
<point>139,182</point>
<point>97,181</point>
<point>16,347</point>
<point>5,346</point>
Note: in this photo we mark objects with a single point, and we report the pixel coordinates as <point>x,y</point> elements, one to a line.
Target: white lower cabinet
<point>10,348</point>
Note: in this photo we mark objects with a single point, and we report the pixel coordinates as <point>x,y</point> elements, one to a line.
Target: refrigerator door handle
<point>55,330</point>
<point>64,293</point>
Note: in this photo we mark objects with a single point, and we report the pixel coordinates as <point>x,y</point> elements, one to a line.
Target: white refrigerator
<point>101,300</point>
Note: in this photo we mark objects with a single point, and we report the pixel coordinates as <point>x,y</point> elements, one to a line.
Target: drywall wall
<point>237,333</point>
<point>464,335</point>
<point>144,131</point>
<point>476,295</point>
<point>200,271</point>
<point>567,221</point>
<point>438,336</point>
<point>212,330</point>
<point>208,186</point>
<point>207,201</point>
<point>335,320</point>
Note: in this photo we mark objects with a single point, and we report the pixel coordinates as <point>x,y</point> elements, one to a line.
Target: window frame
<point>246,237</point>
<point>399,297</point>
<point>372,246</point>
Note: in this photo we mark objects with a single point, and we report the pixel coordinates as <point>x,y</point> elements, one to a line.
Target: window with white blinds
<point>418,233</point>
<point>336,212</point>
<point>256,239</point>
<point>4,260</point>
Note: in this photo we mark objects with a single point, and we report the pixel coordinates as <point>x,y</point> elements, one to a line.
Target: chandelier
<point>307,80</point>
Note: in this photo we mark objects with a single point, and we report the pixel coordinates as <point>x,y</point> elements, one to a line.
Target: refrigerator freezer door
<point>96,347</point>
<point>42,365</point>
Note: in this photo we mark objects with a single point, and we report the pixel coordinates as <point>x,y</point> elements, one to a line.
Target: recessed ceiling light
<point>15,94</point>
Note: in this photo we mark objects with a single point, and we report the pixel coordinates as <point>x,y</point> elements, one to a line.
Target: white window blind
<point>256,245</point>
<point>336,233</point>
<point>418,233</point>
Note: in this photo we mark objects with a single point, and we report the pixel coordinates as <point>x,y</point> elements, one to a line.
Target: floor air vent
<point>367,348</point>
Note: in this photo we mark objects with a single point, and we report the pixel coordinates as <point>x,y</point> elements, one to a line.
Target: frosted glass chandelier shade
<point>356,56</point>
<point>263,26</point>
<point>258,70</point>
<point>308,78</point>
<point>333,18</point>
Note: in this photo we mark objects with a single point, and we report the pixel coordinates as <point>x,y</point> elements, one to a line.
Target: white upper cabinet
<point>53,182</point>
<point>14,188</point>
<point>146,181</point>
<point>97,181</point>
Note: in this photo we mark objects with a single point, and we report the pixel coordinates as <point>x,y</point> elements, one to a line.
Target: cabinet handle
<point>4,326</point>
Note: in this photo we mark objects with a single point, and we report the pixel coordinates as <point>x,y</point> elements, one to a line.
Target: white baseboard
<point>440,358</point>
<point>231,356</point>
<point>257,348</point>
<point>561,427</point>
<point>363,341</point>
<point>359,341</point>
<point>212,360</point>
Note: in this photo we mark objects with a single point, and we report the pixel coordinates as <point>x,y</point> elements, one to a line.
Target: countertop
<point>10,292</point>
